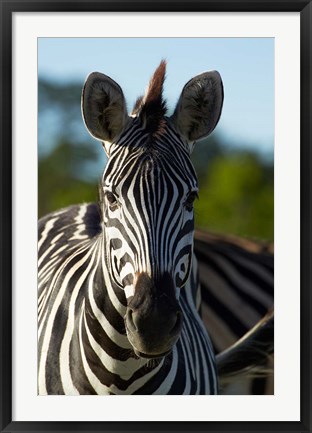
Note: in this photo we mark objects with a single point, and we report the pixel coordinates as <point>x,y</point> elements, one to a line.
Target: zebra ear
<point>199,107</point>
<point>103,107</point>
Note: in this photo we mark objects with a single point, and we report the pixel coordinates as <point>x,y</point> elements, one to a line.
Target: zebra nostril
<point>177,326</point>
<point>130,321</point>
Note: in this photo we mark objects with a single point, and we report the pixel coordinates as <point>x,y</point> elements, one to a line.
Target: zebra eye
<point>111,199</point>
<point>189,202</point>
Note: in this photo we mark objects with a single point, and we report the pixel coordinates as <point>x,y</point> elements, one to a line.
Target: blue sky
<point>245,64</point>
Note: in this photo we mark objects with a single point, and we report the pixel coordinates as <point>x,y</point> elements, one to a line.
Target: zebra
<point>236,278</point>
<point>118,282</point>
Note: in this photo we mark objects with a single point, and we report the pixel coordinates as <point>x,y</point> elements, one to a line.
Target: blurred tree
<point>60,119</point>
<point>237,196</point>
<point>61,180</point>
<point>204,152</point>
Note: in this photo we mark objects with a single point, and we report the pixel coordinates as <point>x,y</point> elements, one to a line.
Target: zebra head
<point>146,196</point>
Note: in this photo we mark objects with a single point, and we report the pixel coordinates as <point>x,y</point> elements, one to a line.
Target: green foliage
<point>237,197</point>
<point>60,178</point>
<point>204,152</point>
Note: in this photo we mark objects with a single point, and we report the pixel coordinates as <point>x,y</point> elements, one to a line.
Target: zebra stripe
<point>237,290</point>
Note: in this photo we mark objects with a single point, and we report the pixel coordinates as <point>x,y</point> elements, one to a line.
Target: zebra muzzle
<point>153,318</point>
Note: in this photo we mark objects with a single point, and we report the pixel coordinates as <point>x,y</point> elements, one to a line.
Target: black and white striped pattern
<point>83,348</point>
<point>152,186</point>
<point>117,282</point>
<point>237,289</point>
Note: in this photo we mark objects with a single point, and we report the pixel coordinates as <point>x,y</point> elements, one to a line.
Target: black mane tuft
<point>152,107</point>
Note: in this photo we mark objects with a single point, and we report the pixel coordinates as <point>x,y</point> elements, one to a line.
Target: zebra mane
<point>151,107</point>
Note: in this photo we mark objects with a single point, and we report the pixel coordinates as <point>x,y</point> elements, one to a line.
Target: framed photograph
<point>262,52</point>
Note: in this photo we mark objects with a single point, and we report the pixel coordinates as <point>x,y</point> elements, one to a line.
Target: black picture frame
<point>8,7</point>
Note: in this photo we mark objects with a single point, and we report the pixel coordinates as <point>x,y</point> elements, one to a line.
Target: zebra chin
<point>149,356</point>
<point>154,318</point>
<point>150,349</point>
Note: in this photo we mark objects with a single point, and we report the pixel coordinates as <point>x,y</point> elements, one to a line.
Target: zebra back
<point>237,290</point>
